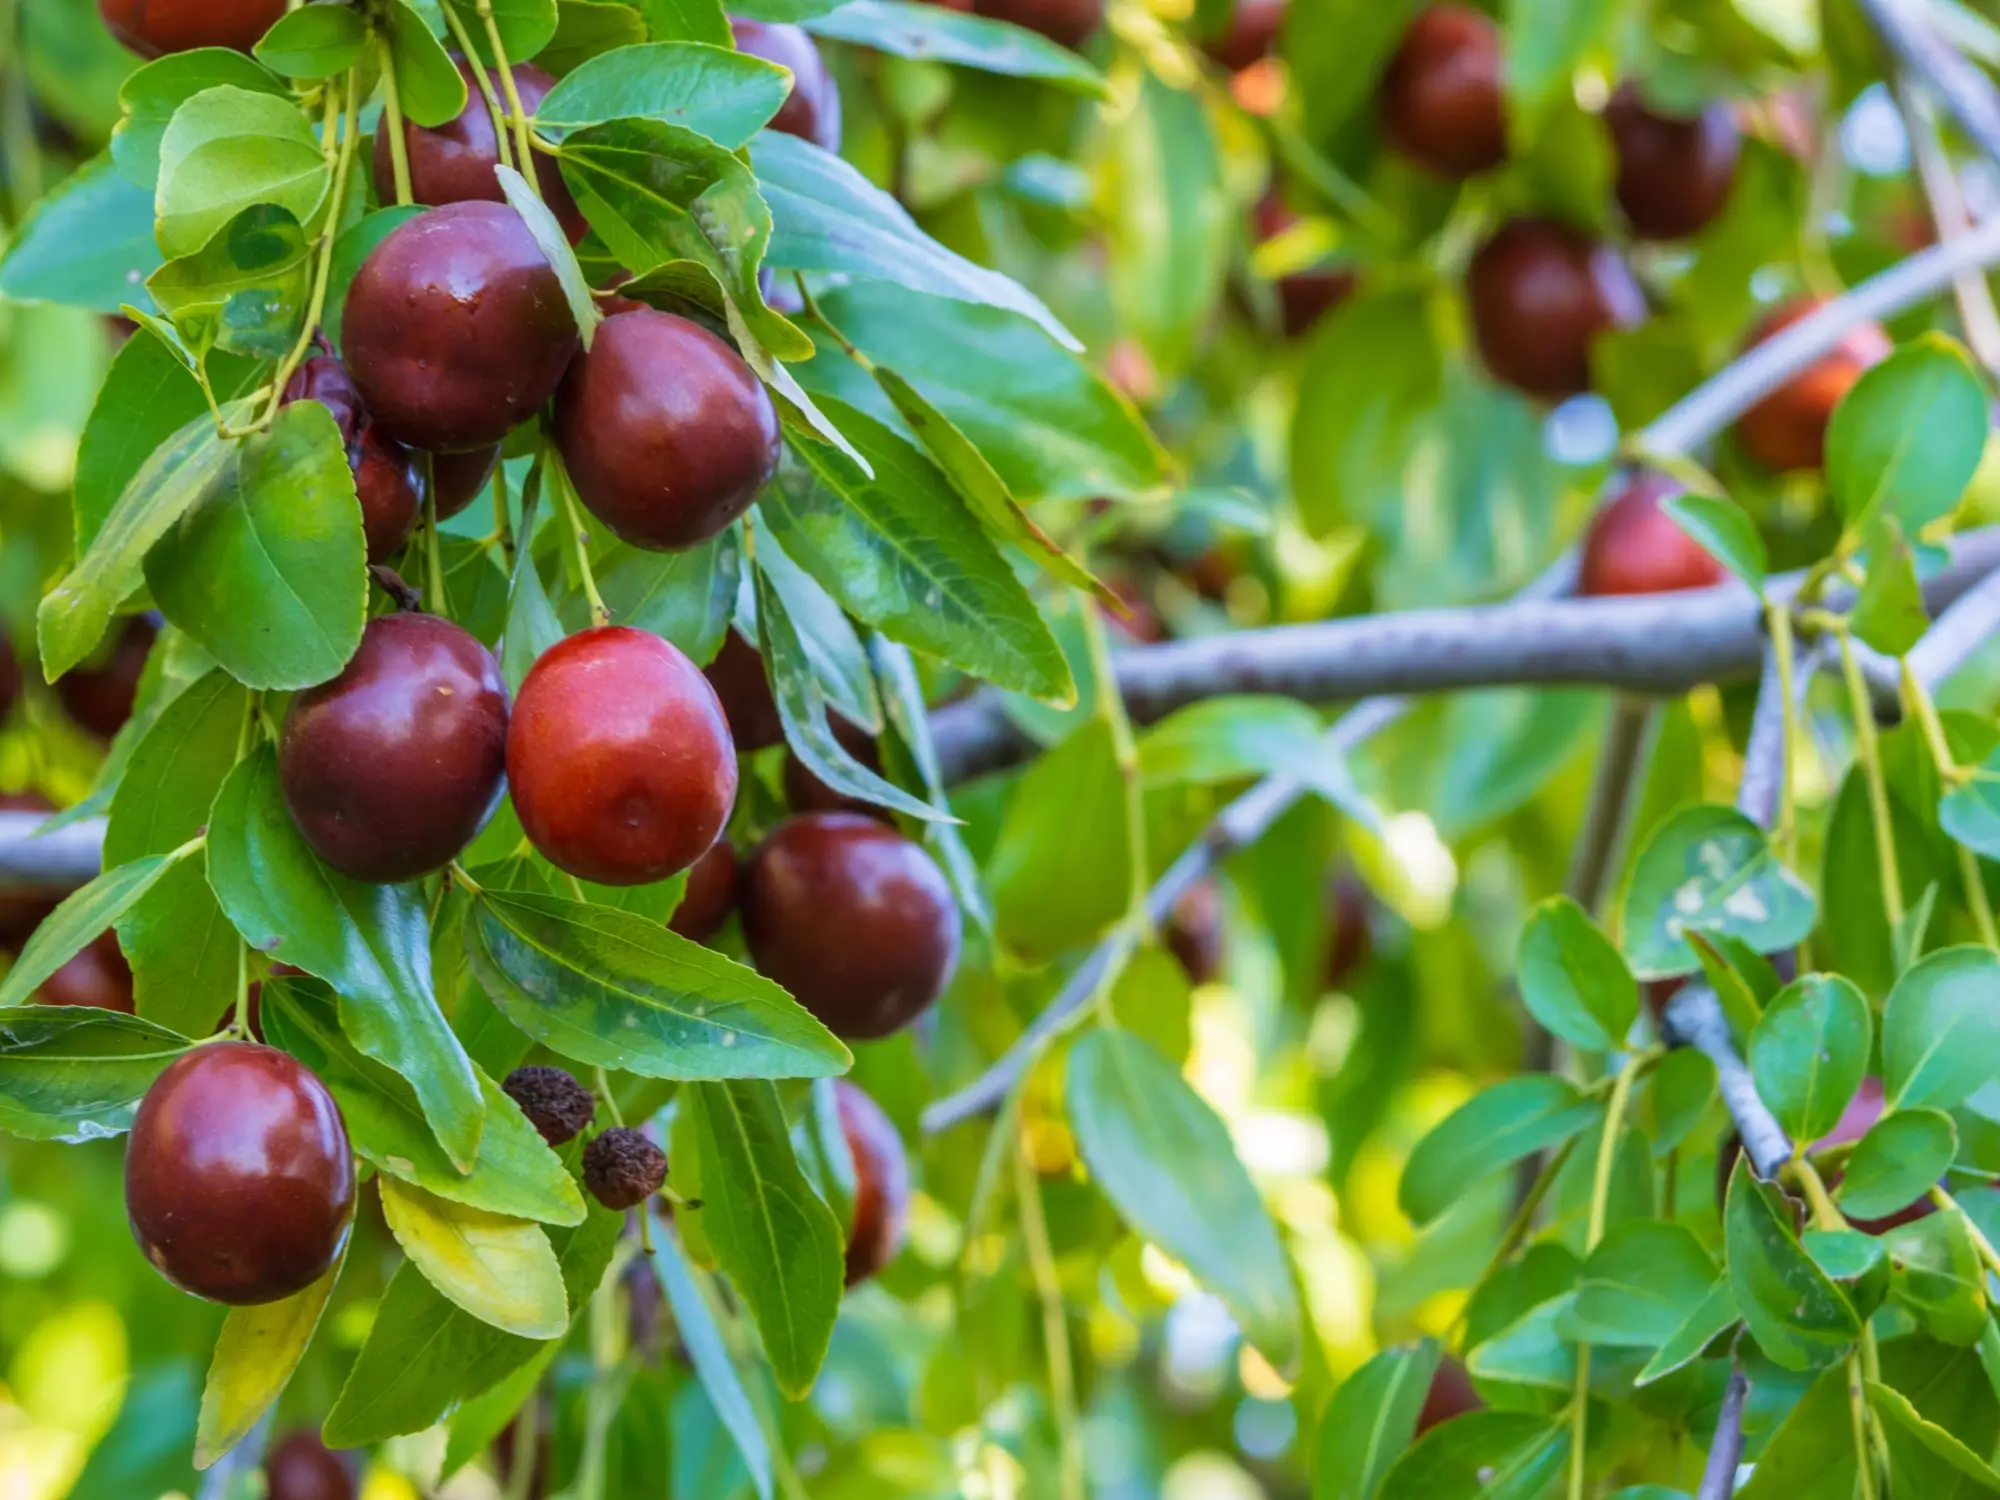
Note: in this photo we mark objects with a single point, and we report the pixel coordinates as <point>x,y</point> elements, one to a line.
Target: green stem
<point>1125,751</point>
<point>1782,652</point>
<point>573,538</point>
<point>503,518</point>
<point>1974,881</point>
<point>433,551</point>
<point>1055,1323</point>
<point>1857,1411</point>
<point>1923,708</point>
<point>610,1099</point>
<point>1600,1207</point>
<point>392,121</point>
<point>483,81</point>
<point>524,150</point>
<point>323,272</point>
<point>1869,750</point>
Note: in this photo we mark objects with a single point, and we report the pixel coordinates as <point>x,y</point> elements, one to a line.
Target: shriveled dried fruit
<point>554,1102</point>
<point>622,1168</point>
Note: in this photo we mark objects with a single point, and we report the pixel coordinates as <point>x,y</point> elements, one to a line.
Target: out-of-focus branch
<point>1949,214</point>
<point>1906,26</point>
<point>1725,1454</point>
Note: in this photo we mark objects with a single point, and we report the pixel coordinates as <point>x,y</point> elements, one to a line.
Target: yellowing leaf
<point>255,1356</point>
<point>501,1270</point>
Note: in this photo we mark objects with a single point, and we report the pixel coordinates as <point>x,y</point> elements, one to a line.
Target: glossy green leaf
<point>1677,1096</point>
<point>1725,532</point>
<point>500,1269</point>
<point>1711,868</point>
<point>1855,1262</point>
<point>1940,1030</point>
<point>253,279</point>
<point>726,96</point>
<point>606,987</point>
<point>1900,1159</point>
<point>1936,1273</point>
<point>370,942</point>
<point>1639,1287</point>
<point>314,42</point>
<point>1573,980</point>
<point>1971,813</point>
<point>69,1073</point>
<point>88,244</point>
<point>256,1354</point>
<point>153,92</point>
<point>696,1316</point>
<point>227,149</point>
<point>1545,42</point>
<point>82,915</point>
<point>686,596</point>
<point>1714,1316</point>
<point>431,89</point>
<point>1809,1051</point>
<point>587,29</point>
<point>1889,613</point>
<point>773,1235</point>
<point>934,33</point>
<point>1061,871</point>
<point>1811,1455</point>
<point>1494,1455</point>
<point>525,26</point>
<point>553,241</point>
<point>1795,1313</point>
<point>1371,1420</point>
<point>1164,1159</point>
<point>1906,439</point>
<point>147,396</point>
<point>1924,1459</point>
<point>1491,1130</point>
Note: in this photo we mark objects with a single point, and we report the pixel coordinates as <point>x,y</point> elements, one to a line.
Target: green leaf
<point>267,569</point>
<point>1924,1459</point>
<point>516,1173</point>
<point>1061,872</point>
<point>1164,1159</point>
<point>1971,813</point>
<point>256,270</point>
<point>1709,868</point>
<point>901,552</point>
<point>314,42</point>
<point>1795,1313</point>
<point>525,26</point>
<point>423,1353</point>
<point>1639,1287</point>
<point>1936,1273</point>
<point>69,1073</point>
<point>1715,1315</point>
<point>1573,980</point>
<point>1677,1096</point>
<point>82,915</point>
<point>1546,41</point>
<point>686,596</point>
<point>696,1318</point>
<point>1811,1455</point>
<point>779,1242</point>
<point>1940,1029</point>
<point>1906,439</point>
<point>431,88</point>
<point>1809,1051</point>
<point>1491,1130</point>
<point>1725,532</point>
<point>554,244</point>
<point>930,33</point>
<point>147,396</point>
<point>1370,1421</point>
<point>1903,1156</point>
<point>606,987</point>
<point>725,95</point>
<point>480,1421</point>
<point>1889,612</point>
<point>89,243</point>
<point>370,942</point>
<point>500,1269</point>
<point>1494,1455</point>
<point>826,216</point>
<point>152,94</point>
<point>228,149</point>
<point>1857,1263</point>
<point>587,29</point>
<point>255,1356</point>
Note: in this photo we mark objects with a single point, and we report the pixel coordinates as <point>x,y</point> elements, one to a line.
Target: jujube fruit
<point>1066,22</point>
<point>1541,293</point>
<point>1787,429</point>
<point>1252,33</point>
<point>852,918</point>
<point>554,1102</point>
<point>619,759</point>
<point>454,162</point>
<point>301,1467</point>
<point>457,478</point>
<point>666,432</point>
<point>1634,547</point>
<point>622,1169</point>
<point>153,28</point>
<point>740,682</point>
<point>388,477</point>
<point>1304,297</point>
<point>1451,1394</point>
<point>1350,939</point>
<point>881,1183</point>
<point>456,329</point>
<point>812,110</point>
<point>97,977</point>
<point>395,765</point>
<point>1674,173</point>
<point>710,895</point>
<point>1442,103</point>
<point>100,696</point>
<point>1193,932</point>
<point>239,1181</point>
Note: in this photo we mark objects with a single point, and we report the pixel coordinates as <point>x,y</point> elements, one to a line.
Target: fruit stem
<point>323,272</point>
<point>521,1473</point>
<point>392,121</point>
<point>433,553</point>
<point>1055,1323</point>
<point>241,1024</point>
<point>610,1099</point>
<point>1600,1205</point>
<point>503,519</point>
<point>472,887</point>
<point>524,150</point>
<point>1870,754</point>
<point>493,106</point>
<point>1784,655</point>
<point>574,534</point>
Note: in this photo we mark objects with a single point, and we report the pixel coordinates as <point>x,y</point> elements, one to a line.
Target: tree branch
<point>1948,212</point>
<point>1725,1454</point>
<point>1965,91</point>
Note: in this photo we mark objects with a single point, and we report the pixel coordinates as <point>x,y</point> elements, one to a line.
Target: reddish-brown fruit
<point>1674,174</point>
<point>622,1168</point>
<point>238,1177</point>
<point>812,110</point>
<point>100,697</point>
<point>10,677</point>
<point>710,896</point>
<point>554,1102</point>
<point>619,758</point>
<point>1068,23</point>
<point>1253,32</point>
<point>388,478</point>
<point>98,977</point>
<point>1634,547</point>
<point>1443,99</point>
<point>1350,939</point>
<point>21,912</point>
<point>852,918</point>
<point>153,28</point>
<point>667,433</point>
<point>806,793</point>
<point>1541,293</point>
<point>301,1467</point>
<point>457,478</point>
<point>1193,932</point>
<point>454,163</point>
<point>1451,1395</point>
<point>456,329</point>
<point>1304,297</point>
<point>881,1183</point>
<point>1787,429</point>
<point>737,675</point>
<point>395,765</point>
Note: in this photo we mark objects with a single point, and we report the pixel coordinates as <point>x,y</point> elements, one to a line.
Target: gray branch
<point>1725,1454</point>
<point>1907,27</point>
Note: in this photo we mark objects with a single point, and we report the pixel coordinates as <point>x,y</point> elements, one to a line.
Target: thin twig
<point>1949,214</point>
<point>1965,91</point>
<point>1725,1455</point>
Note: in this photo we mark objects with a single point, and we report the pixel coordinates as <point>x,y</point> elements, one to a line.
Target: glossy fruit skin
<point>239,1181</point>
<point>459,478</point>
<point>1443,98</point>
<point>395,765</point>
<point>100,697</point>
<point>1068,23</point>
<point>454,163</point>
<point>667,433</point>
<point>854,919</point>
<point>1541,293</point>
<point>301,1467</point>
<point>388,477</point>
<point>881,1183</point>
<point>812,110</point>
<point>456,329</point>
<point>21,912</point>
<point>1674,174</point>
<point>1193,933</point>
<point>737,675</point>
<point>710,895</point>
<point>98,977</point>
<point>1253,33</point>
<point>619,758</point>
<point>153,28</point>
<point>1787,429</point>
<point>1451,1394</point>
<point>805,792</point>
<point>1634,547</point>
